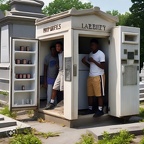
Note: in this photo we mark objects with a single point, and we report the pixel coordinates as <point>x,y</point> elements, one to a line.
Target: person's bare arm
<point>100,65</point>
<point>84,61</point>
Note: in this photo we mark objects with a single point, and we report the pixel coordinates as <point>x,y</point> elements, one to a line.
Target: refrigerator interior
<point>24,74</point>
<point>44,50</point>
<point>84,50</point>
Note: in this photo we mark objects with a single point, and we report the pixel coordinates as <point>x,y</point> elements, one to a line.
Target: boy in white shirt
<point>96,79</point>
<point>59,82</point>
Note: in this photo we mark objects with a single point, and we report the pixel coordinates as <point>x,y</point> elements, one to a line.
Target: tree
<point>4,5</point>
<point>123,18</point>
<point>137,20</point>
<point>58,6</point>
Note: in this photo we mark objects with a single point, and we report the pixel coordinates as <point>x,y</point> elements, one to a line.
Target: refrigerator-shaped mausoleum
<point>75,28</point>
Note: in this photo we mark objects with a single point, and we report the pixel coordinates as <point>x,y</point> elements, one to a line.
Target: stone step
<point>141,99</point>
<point>134,128</point>
<point>10,131</point>
<point>1,118</point>
<point>7,123</point>
<point>8,126</point>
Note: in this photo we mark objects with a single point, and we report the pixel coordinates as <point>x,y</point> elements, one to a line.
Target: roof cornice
<point>74,12</point>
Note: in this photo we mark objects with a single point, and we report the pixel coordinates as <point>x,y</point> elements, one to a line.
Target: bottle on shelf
<point>24,61</point>
<point>29,62</point>
<point>28,76</point>
<point>23,87</point>
<point>22,48</point>
<point>17,61</point>
<point>27,48</point>
<point>20,76</point>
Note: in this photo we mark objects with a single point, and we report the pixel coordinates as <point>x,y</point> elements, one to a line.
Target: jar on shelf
<point>27,48</point>
<point>23,87</point>
<point>28,76</point>
<point>20,76</point>
<point>24,76</point>
<point>17,76</point>
<point>24,61</point>
<point>22,48</point>
<point>17,61</point>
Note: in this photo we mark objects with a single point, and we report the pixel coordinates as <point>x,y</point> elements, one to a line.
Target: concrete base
<point>85,120</point>
<point>135,128</point>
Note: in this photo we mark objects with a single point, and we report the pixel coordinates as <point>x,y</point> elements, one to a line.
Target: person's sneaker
<point>50,106</point>
<point>89,112</point>
<point>98,114</point>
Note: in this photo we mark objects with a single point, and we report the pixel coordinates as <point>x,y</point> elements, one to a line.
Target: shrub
<point>25,138</point>
<point>123,137</point>
<point>142,141</point>
<point>87,139</point>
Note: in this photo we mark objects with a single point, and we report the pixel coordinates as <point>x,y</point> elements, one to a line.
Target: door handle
<point>74,70</point>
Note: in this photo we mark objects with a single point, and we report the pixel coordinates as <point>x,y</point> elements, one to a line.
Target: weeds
<point>141,112</point>
<point>30,136</point>
<point>87,139</point>
<point>41,120</point>
<point>30,113</point>
<point>5,111</point>
<point>45,135</point>
<point>123,137</point>
<point>25,138</point>
<point>142,141</point>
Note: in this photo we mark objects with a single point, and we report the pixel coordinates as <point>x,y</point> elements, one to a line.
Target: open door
<point>124,71</point>
<point>24,78</point>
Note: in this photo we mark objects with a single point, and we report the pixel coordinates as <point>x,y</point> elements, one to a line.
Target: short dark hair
<point>60,43</point>
<point>94,40</point>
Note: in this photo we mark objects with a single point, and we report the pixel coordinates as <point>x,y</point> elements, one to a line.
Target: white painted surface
<point>27,97</point>
<point>5,55</point>
<point>123,99</point>
<point>71,28</point>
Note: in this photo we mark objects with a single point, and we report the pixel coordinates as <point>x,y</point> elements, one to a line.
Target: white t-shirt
<point>99,57</point>
<point>60,56</point>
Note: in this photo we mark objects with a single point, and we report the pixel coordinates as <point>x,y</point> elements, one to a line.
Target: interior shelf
<point>24,64</point>
<point>32,79</point>
<point>27,98</point>
<point>25,52</point>
<point>5,79</point>
<point>23,91</point>
<point>25,105</point>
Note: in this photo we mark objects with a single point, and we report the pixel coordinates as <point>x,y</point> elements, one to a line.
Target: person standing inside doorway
<point>50,71</point>
<point>96,79</point>
<point>59,82</point>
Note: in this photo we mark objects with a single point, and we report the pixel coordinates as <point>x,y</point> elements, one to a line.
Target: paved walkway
<point>67,135</point>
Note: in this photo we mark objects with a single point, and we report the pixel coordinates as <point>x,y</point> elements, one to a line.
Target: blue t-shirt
<point>52,71</point>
